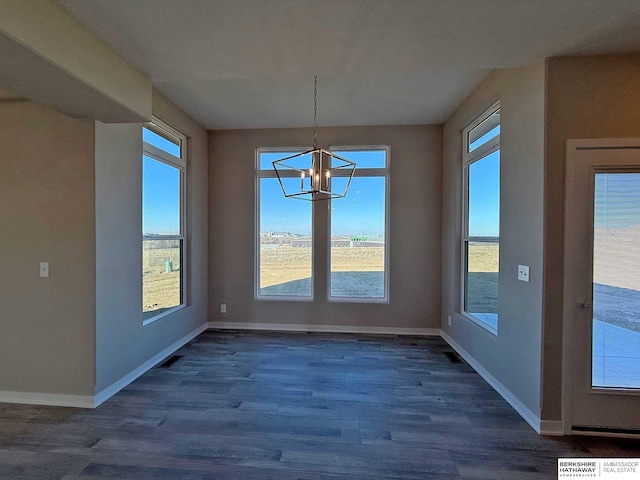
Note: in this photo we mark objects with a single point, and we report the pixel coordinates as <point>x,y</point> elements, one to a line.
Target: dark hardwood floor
<point>261,405</point>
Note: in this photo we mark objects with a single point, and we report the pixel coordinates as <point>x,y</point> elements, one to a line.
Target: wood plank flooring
<point>261,406</point>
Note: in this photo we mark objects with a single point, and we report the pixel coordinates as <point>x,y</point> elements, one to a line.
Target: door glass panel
<point>616,281</point>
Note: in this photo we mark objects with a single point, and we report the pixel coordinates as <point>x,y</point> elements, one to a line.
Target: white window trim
<point>469,158</point>
<point>270,173</point>
<point>365,172</point>
<point>163,129</point>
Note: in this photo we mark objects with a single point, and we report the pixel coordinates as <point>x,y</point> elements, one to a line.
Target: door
<point>602,285</point>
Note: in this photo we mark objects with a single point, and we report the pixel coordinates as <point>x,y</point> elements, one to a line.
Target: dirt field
<point>617,262</point>
<point>283,264</point>
<point>161,282</point>
<point>367,259</point>
<point>483,257</point>
<point>482,280</point>
<point>286,263</point>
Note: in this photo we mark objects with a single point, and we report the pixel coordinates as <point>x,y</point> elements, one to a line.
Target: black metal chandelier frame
<point>316,180</point>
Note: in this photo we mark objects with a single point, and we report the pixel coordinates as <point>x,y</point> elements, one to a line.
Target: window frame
<point>163,129</point>
<point>384,172</point>
<point>468,159</point>
<point>270,173</point>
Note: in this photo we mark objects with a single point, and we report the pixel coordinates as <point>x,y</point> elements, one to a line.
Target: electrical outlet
<point>223,308</point>
<point>449,320</point>
<point>523,273</point>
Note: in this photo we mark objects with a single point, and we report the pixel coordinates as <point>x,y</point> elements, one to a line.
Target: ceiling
<point>250,63</point>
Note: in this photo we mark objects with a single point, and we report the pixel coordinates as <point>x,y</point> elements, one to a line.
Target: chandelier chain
<point>315,112</point>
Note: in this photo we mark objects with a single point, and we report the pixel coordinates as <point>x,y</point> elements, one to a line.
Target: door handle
<point>585,304</point>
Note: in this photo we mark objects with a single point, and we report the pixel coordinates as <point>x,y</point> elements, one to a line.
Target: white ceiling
<point>250,63</point>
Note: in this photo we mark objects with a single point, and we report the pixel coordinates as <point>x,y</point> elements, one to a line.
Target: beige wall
<point>513,357</point>
<point>70,194</point>
<point>123,343</point>
<point>47,329</point>
<point>414,237</point>
<point>587,97</point>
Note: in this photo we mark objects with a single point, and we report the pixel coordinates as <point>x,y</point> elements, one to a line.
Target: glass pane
<point>364,158</point>
<point>161,276</point>
<point>168,144</point>
<point>484,196</point>
<point>357,239</point>
<point>299,161</point>
<point>481,281</point>
<point>485,131</point>
<point>285,242</point>
<point>616,281</point>
<point>160,198</point>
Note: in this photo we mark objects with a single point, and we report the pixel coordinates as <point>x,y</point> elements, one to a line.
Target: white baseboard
<point>544,427</point>
<point>92,401</point>
<point>531,418</point>
<point>591,433</point>
<point>49,399</point>
<point>114,388</point>
<point>300,327</point>
<point>551,427</point>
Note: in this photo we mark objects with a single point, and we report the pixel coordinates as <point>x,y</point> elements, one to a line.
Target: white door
<point>602,286</point>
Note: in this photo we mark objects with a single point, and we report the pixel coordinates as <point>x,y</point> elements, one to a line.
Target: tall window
<point>481,219</point>
<point>284,226</point>
<point>163,220</point>
<point>356,238</point>
<point>359,229</point>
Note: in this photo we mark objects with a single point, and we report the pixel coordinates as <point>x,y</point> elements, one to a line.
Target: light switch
<point>523,273</point>
<point>44,269</point>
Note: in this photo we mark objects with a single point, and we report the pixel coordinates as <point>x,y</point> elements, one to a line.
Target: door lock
<point>585,305</point>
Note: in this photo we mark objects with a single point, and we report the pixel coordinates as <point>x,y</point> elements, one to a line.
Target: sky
<point>484,196</point>
<point>361,212</point>
<point>494,132</point>
<point>160,190</point>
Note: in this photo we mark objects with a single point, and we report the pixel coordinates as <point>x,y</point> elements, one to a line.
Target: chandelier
<point>315,174</point>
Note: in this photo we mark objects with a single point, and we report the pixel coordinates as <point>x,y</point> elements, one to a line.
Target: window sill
<point>358,300</point>
<point>283,298</point>
<point>162,315</point>
<point>480,323</point>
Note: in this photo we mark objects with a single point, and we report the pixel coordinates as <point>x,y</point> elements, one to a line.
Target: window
<point>163,220</point>
<point>284,266</point>
<point>359,229</point>
<point>481,219</point>
<point>355,238</point>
